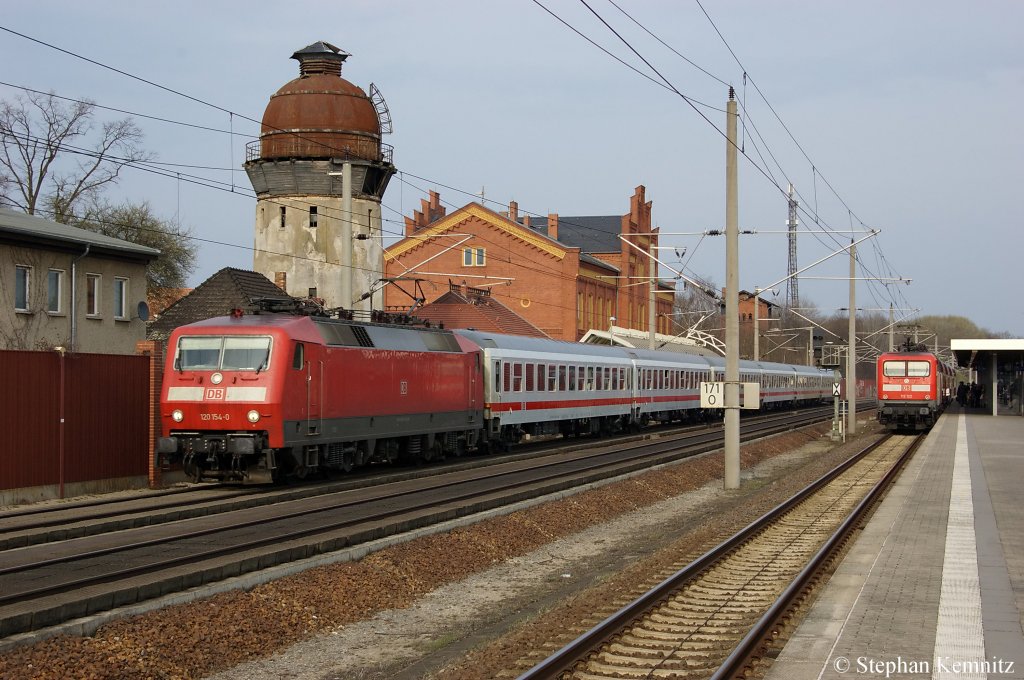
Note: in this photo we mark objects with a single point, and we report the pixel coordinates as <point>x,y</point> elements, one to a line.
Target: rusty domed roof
<point>320,114</point>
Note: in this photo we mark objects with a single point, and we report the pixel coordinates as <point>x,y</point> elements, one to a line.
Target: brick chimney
<point>513,211</point>
<point>553,225</point>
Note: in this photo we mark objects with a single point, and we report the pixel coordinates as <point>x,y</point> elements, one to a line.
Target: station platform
<point>934,585</point>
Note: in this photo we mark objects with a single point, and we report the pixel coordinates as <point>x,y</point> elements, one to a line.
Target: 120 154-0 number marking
<point>214,416</point>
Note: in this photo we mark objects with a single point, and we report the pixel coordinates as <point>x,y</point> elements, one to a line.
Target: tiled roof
<point>217,296</point>
<point>589,233</point>
<point>461,309</point>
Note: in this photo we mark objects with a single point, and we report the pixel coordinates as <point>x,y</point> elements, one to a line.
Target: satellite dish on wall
<point>143,311</point>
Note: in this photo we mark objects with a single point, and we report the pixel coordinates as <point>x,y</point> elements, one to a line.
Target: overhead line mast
<point>792,289</point>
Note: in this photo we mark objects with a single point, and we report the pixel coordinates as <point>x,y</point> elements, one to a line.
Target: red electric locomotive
<point>250,397</point>
<point>913,389</point>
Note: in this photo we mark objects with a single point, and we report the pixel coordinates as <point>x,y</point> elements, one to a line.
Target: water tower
<point>319,170</point>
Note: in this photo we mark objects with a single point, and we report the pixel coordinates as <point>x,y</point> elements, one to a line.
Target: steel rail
<point>557,479</point>
<point>589,642</point>
<point>738,661</point>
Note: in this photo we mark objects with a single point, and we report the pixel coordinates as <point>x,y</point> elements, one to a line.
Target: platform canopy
<point>998,365</point>
<point>971,353</point>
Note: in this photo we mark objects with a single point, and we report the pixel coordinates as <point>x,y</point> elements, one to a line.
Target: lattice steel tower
<point>792,290</point>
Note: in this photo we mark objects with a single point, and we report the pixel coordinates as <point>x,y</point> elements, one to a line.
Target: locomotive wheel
<point>347,461</point>
<point>192,470</point>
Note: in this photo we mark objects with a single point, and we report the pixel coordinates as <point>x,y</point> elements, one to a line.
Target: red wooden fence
<point>73,418</point>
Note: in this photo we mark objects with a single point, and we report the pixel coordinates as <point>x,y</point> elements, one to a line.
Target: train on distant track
<point>914,387</point>
<point>253,397</point>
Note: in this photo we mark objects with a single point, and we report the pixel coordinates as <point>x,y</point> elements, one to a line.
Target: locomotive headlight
<point>253,416</point>
<point>216,378</point>
<point>177,415</point>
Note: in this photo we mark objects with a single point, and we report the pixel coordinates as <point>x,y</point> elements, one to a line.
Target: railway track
<point>716,617</point>
<point>46,583</point>
<point>75,519</point>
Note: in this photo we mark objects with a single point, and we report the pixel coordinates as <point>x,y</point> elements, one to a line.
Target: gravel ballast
<point>476,602</point>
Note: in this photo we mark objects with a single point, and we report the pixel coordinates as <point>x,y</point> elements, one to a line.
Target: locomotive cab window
<point>299,356</point>
<point>211,353</point>
<point>918,369</point>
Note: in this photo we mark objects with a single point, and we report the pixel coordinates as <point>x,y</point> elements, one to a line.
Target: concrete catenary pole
<point>346,236</point>
<point>652,300</point>
<point>732,302</point>
<point>851,359</point>
<point>757,322</point>
<point>891,329</point>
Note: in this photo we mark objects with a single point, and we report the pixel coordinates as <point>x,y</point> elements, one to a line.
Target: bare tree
<point>54,154</point>
<point>137,223</point>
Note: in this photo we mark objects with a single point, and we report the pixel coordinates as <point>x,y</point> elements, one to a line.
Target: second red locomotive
<point>913,389</point>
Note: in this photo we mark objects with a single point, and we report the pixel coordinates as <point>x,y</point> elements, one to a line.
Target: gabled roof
<point>461,308</point>
<point>228,289</point>
<point>36,231</point>
<point>536,238</point>
<point>450,222</point>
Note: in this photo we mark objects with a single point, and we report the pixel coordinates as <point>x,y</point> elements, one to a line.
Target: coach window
<point>298,356</point>
<point>517,377</point>
<point>580,375</point>
<point>553,378</point>
<point>590,378</point>
<point>506,372</point>
<point>530,371</point>
<point>572,378</point>
<point>561,379</point>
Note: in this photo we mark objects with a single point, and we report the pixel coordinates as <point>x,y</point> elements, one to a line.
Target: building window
<point>92,294</point>
<point>312,216</point>
<point>120,298</point>
<point>474,257</point>
<point>54,291</point>
<point>283,210</point>
<point>22,280</point>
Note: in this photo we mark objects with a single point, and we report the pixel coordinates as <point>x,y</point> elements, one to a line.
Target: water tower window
<point>312,216</point>
<point>282,216</point>
<point>312,292</point>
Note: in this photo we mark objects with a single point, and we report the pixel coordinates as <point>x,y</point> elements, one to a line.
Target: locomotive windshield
<point>220,353</point>
<point>903,369</point>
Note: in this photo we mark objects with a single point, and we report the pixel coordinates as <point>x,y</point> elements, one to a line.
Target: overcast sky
<point>907,116</point>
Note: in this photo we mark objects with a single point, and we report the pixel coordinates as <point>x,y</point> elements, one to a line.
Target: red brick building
<point>565,275</point>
